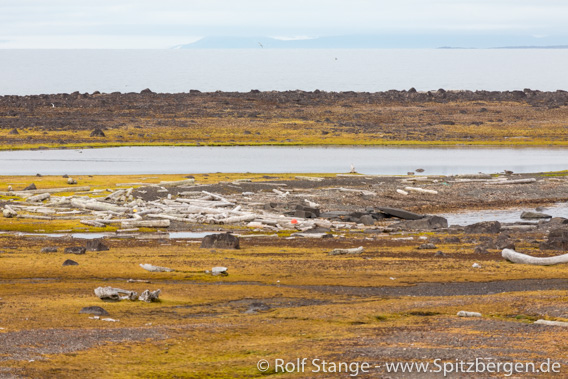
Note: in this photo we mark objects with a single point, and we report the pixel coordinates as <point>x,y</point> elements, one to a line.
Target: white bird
<point>353,169</point>
<point>52,105</point>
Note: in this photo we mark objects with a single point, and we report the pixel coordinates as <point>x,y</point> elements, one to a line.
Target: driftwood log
<point>152,268</point>
<point>513,256</point>
<point>357,250</point>
<point>110,293</point>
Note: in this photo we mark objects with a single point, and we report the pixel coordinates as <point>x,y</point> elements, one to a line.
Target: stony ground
<point>283,118</point>
<point>285,297</point>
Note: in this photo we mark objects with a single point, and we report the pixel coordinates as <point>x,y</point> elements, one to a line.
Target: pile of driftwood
<point>100,208</point>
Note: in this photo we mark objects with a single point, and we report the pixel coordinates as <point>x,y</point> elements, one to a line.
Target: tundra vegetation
<point>341,267</point>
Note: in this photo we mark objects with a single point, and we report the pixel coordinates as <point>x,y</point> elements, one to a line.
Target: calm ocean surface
<point>24,72</point>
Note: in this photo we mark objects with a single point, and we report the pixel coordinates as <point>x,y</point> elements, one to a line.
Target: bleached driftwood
<point>359,191</point>
<point>219,271</point>
<point>357,250</point>
<point>177,183</point>
<point>93,223</point>
<point>34,217</point>
<point>551,323</point>
<point>37,198</point>
<point>51,190</point>
<point>402,192</point>
<point>310,178</point>
<point>513,256</point>
<point>517,181</point>
<point>421,190</point>
<point>9,212</point>
<point>145,224</point>
<point>152,268</point>
<point>149,297</point>
<point>110,293</point>
<point>468,314</point>
<point>280,193</point>
<point>97,206</point>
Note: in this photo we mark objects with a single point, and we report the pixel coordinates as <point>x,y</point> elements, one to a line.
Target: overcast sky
<point>165,23</point>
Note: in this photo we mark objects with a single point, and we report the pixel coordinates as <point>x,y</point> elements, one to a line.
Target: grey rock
<point>31,187</point>
<point>75,250</point>
<point>480,250</point>
<point>49,249</point>
<point>220,241</point>
<point>401,213</point>
<point>427,246</point>
<point>492,227</point>
<point>440,254</point>
<point>70,262</point>
<point>96,245</point>
<point>557,240</point>
<point>427,223</point>
<point>97,132</point>
<point>367,220</point>
<point>97,311</point>
<point>534,215</point>
<point>452,240</point>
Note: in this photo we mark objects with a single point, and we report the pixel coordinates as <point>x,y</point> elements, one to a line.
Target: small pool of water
<point>502,215</point>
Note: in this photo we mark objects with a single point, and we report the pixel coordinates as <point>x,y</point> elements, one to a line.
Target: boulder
<point>220,241</point>
<point>97,311</point>
<point>31,187</point>
<point>492,227</point>
<point>452,240</point>
<point>96,245</point>
<point>557,240</point>
<point>49,249</point>
<point>14,131</point>
<point>97,132</point>
<point>427,223</point>
<point>427,246</point>
<point>367,220</point>
<point>534,215</point>
<point>70,262</point>
<point>480,250</point>
<point>75,250</point>
<point>401,213</point>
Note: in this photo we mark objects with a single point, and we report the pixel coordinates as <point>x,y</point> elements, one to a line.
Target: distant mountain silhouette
<point>338,42</point>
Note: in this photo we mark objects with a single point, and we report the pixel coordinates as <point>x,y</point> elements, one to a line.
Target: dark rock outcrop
<point>96,245</point>
<point>70,262</point>
<point>220,241</point>
<point>31,187</point>
<point>489,227</point>
<point>97,133</point>
<point>401,213</point>
<point>557,240</point>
